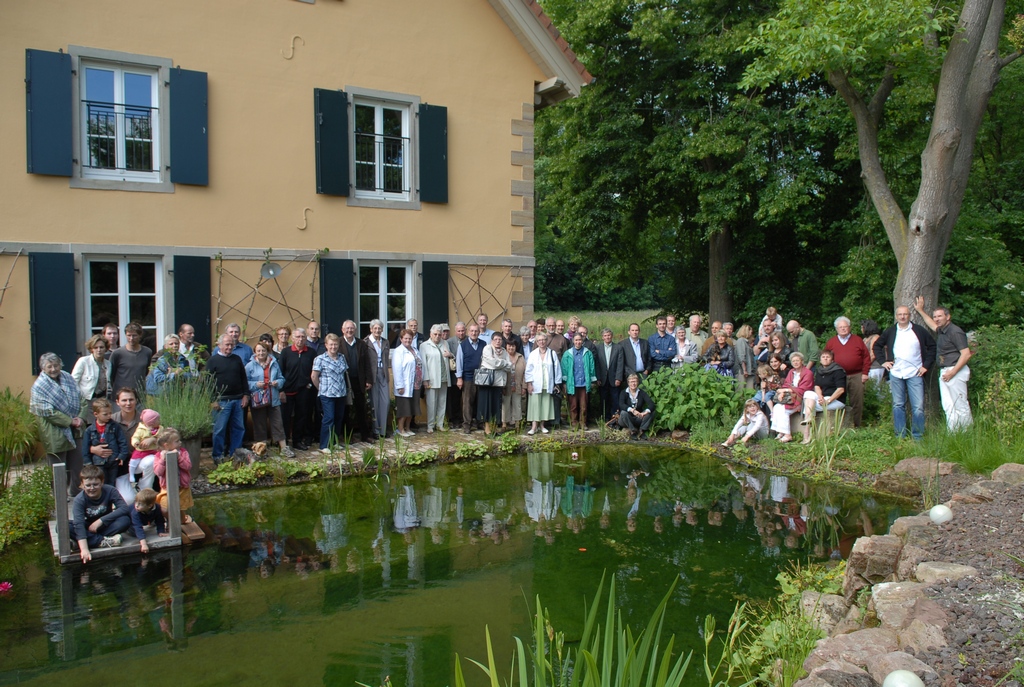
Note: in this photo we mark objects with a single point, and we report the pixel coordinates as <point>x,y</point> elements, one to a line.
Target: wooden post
<point>60,502</point>
<point>173,500</point>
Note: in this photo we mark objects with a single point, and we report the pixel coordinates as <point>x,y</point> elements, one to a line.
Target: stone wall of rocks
<point>893,572</point>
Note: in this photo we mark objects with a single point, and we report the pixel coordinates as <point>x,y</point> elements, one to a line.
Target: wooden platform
<point>66,550</point>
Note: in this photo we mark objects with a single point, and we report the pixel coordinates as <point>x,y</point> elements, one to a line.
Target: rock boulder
<point>923,468</point>
<point>1011,473</point>
<point>872,560</point>
<point>880,666</point>
<point>933,571</point>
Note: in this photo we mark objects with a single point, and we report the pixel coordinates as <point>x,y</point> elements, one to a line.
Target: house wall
<point>262,191</point>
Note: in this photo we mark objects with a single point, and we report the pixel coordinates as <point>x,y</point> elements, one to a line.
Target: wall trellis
<point>476,297</point>
<point>269,292</point>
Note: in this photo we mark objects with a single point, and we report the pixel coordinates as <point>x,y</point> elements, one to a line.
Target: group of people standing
<point>303,389</point>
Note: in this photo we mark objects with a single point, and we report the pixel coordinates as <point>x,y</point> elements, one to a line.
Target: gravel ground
<point>986,630</point>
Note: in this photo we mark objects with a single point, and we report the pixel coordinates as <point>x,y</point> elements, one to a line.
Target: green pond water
<point>329,584</point>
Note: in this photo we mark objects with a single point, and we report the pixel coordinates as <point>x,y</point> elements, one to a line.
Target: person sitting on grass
<point>753,424</point>
<point>637,412</point>
<point>144,512</point>
<point>104,443</point>
<point>99,513</point>
<point>169,440</point>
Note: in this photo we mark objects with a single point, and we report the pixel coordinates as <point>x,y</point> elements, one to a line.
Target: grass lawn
<point>617,321</point>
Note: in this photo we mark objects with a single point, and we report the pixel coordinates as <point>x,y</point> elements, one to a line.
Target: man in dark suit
<point>413,326</point>
<point>609,366</point>
<point>361,372</point>
<point>636,354</point>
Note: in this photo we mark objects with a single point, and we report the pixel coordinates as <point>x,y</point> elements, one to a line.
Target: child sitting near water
<point>144,512</point>
<point>169,440</point>
<point>144,443</point>
<point>104,444</point>
<point>753,424</point>
<point>99,513</point>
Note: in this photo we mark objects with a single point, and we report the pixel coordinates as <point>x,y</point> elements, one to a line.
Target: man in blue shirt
<point>241,349</point>
<point>662,346</point>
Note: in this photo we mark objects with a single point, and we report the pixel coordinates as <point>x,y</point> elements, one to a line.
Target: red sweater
<point>853,357</point>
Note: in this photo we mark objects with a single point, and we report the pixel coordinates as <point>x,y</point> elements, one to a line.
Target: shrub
<point>686,397</point>
<point>25,506</point>
<point>18,432</point>
<point>996,349</point>
<point>186,404</point>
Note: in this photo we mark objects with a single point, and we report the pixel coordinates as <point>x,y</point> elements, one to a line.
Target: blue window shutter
<point>331,124</point>
<point>337,294</point>
<point>433,154</point>
<point>192,295</point>
<point>53,326</point>
<point>189,141</point>
<point>48,112</point>
<point>435,293</point>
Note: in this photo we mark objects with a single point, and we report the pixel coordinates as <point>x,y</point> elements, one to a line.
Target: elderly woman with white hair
<point>380,394</point>
<point>435,354</point>
<point>542,376</point>
<point>789,398</point>
<point>168,364</point>
<point>59,409</point>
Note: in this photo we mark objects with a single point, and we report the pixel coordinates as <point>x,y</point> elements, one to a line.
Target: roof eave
<point>542,41</point>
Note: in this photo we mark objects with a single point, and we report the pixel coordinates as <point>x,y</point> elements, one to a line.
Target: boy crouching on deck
<point>99,513</point>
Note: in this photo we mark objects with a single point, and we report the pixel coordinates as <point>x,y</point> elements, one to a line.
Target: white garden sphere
<point>940,514</point>
<point>903,678</point>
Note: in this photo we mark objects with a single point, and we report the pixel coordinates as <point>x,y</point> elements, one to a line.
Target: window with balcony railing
<point>382,150</point>
<point>120,123</point>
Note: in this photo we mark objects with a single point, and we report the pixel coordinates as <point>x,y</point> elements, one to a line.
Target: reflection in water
<point>400,573</point>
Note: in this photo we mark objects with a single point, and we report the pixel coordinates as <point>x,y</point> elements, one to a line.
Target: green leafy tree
<point>874,52</point>
<point>665,173</point>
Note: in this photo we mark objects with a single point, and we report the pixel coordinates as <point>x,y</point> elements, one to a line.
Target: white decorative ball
<point>903,678</point>
<point>940,514</point>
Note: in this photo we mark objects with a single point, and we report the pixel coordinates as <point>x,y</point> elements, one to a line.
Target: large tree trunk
<point>719,299</point>
<point>969,74</point>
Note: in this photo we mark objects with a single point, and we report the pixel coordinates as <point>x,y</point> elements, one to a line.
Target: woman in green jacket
<point>578,374</point>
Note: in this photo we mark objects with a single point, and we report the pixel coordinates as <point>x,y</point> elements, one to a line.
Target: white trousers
<point>437,403</point>
<point>954,399</point>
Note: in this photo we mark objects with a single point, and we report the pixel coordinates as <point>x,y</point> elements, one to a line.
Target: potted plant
<point>186,404</point>
<point>19,433</point>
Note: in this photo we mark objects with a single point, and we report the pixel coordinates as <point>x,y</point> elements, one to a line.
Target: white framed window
<point>385,293</point>
<point>383,145</point>
<point>123,290</point>
<point>122,134</point>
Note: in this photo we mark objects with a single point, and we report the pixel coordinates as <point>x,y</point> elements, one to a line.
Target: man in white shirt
<point>908,352</point>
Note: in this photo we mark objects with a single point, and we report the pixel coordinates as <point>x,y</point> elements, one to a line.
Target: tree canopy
<point>697,171</point>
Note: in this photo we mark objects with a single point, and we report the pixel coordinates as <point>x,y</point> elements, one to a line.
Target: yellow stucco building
<point>378,154</point>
